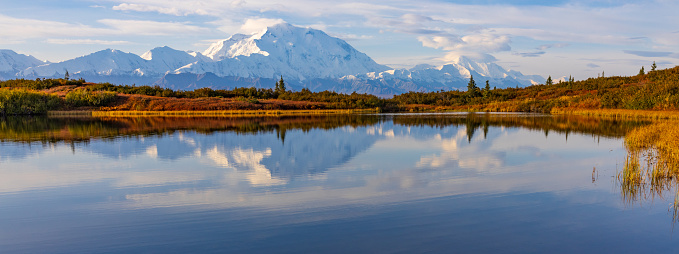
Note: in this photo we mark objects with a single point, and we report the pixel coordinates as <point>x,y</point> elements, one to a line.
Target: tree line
<point>657,89</point>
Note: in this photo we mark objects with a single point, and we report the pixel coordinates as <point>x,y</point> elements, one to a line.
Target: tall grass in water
<point>619,113</point>
<point>217,113</point>
<point>652,163</point>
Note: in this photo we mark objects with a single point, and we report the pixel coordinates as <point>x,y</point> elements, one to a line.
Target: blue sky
<point>557,38</point>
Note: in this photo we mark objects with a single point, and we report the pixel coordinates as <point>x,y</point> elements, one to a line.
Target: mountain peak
<point>284,49</point>
<point>304,56</point>
<point>13,62</point>
<point>224,49</point>
<point>282,28</point>
<point>161,51</point>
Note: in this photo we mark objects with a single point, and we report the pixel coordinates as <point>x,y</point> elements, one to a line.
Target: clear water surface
<point>439,183</point>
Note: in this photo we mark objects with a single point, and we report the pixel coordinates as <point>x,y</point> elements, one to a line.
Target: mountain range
<point>304,57</point>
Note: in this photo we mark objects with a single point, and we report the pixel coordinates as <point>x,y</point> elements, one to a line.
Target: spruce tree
<point>472,89</point>
<point>549,81</point>
<point>280,86</point>
<point>67,76</point>
<point>642,72</point>
<point>486,91</point>
<point>653,66</point>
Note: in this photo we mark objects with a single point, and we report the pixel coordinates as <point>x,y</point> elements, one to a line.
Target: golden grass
<point>217,113</point>
<point>69,113</point>
<point>652,163</point>
<point>619,113</point>
<point>660,142</point>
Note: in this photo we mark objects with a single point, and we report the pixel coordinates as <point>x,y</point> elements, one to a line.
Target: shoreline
<point>619,113</point>
<point>608,113</point>
<point>210,113</point>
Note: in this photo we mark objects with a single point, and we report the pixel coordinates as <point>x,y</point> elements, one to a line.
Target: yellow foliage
<point>656,146</point>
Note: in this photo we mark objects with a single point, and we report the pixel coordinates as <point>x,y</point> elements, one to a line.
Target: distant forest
<point>655,90</point>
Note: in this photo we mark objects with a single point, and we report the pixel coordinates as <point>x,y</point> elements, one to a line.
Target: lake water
<point>442,183</point>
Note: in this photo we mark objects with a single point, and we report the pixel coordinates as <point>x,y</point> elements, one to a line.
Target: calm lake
<point>402,183</point>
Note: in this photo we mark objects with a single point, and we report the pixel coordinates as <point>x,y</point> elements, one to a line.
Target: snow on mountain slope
<point>104,62</point>
<point>11,63</point>
<point>166,59</point>
<point>457,74</point>
<point>154,63</point>
<point>305,57</point>
<point>293,52</point>
<point>221,49</point>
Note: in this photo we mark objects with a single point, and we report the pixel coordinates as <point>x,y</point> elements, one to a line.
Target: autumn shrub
<point>25,102</point>
<point>82,97</point>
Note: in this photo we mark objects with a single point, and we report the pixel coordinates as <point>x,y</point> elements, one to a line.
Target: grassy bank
<point>619,113</point>
<point>651,168</point>
<point>217,113</point>
<point>657,90</point>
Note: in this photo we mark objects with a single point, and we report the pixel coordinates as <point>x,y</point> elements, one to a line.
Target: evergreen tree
<point>472,89</point>
<point>486,90</point>
<point>642,72</point>
<point>653,66</point>
<point>280,86</point>
<point>67,76</point>
<point>549,81</point>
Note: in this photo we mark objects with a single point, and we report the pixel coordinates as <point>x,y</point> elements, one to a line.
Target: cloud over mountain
<point>305,57</point>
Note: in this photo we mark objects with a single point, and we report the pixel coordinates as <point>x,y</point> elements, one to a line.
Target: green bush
<point>40,84</point>
<point>252,100</point>
<point>82,97</point>
<point>23,102</point>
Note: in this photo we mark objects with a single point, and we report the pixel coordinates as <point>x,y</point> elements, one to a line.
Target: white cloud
<point>352,37</point>
<point>556,45</point>
<point>86,41</point>
<point>440,42</point>
<point>475,46</point>
<point>255,25</point>
<point>452,28</point>
<point>15,29</point>
<point>145,27</point>
<point>485,43</point>
<point>164,10</point>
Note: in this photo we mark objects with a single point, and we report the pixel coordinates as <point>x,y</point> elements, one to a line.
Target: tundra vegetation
<point>657,90</point>
<point>650,169</point>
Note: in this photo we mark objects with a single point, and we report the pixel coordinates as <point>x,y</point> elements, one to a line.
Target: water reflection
<point>273,150</point>
<point>260,179</point>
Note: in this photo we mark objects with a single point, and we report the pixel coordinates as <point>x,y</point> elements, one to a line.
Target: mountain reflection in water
<point>351,183</point>
<point>178,137</point>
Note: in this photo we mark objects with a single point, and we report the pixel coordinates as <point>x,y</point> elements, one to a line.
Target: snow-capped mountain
<point>284,50</point>
<point>106,62</point>
<point>305,57</point>
<point>457,74</point>
<point>165,59</point>
<point>11,63</point>
<point>111,62</point>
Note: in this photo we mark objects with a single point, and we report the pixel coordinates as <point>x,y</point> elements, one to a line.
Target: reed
<point>217,113</point>
<point>619,113</point>
<point>652,164</point>
<point>65,113</point>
